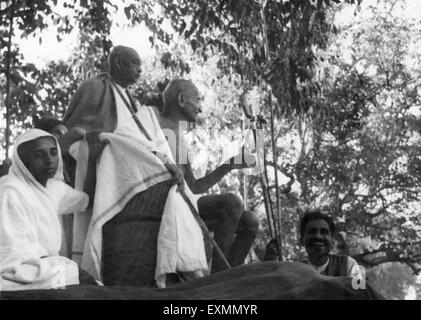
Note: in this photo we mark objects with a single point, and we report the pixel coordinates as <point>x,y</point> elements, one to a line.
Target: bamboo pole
<point>8,111</point>
<point>274,151</point>
<point>275,161</point>
<point>245,182</point>
<point>265,190</point>
<point>256,123</point>
<point>266,194</point>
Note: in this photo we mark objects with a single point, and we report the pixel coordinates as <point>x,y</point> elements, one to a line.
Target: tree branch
<point>388,256</point>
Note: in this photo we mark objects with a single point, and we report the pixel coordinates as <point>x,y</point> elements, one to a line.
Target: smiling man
<point>317,235</point>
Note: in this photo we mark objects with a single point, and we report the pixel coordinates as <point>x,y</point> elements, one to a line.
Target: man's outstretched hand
<point>247,161</point>
<point>73,135</point>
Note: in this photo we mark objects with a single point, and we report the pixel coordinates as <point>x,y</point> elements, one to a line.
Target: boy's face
<point>41,158</point>
<point>317,238</point>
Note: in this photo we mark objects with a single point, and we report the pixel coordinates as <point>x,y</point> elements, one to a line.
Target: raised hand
<point>247,160</point>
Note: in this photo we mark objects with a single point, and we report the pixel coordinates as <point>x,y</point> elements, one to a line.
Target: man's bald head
<point>120,52</point>
<point>174,88</point>
<point>182,100</point>
<point>124,65</point>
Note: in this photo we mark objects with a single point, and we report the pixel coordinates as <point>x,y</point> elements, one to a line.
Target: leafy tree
<point>34,93</point>
<point>362,145</point>
<point>240,30</point>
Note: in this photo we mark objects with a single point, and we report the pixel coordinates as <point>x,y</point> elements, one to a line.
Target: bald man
<point>234,229</point>
<point>93,107</point>
<point>103,103</point>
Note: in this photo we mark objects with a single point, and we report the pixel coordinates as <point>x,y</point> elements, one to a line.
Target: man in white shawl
<point>132,185</point>
<point>32,196</point>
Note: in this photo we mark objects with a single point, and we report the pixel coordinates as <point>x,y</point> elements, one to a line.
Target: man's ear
<point>181,99</point>
<point>118,63</point>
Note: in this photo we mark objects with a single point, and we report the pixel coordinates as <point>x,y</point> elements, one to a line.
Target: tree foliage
<point>360,160</point>
<point>262,41</point>
<point>36,92</point>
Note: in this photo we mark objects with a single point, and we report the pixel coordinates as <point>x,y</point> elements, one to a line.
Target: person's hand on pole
<point>177,173</point>
<point>95,143</point>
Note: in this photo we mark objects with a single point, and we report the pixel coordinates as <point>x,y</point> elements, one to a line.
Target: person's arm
<point>176,172</point>
<point>95,146</point>
<point>73,135</point>
<point>72,201</point>
<point>203,184</point>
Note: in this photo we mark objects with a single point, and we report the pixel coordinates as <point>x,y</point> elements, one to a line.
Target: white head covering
<point>20,170</point>
<point>30,231</point>
<point>29,212</point>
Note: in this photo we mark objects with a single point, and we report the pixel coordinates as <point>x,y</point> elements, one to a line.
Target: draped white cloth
<point>30,231</point>
<point>180,240</point>
<point>126,167</point>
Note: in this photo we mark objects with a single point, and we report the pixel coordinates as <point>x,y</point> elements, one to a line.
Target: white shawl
<point>127,167</point>
<point>30,231</point>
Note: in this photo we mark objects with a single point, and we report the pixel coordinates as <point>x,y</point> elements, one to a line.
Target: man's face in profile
<point>317,238</point>
<point>130,67</point>
<point>192,102</point>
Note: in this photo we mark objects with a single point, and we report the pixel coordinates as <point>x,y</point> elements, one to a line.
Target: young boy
<point>32,196</point>
<point>58,129</point>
